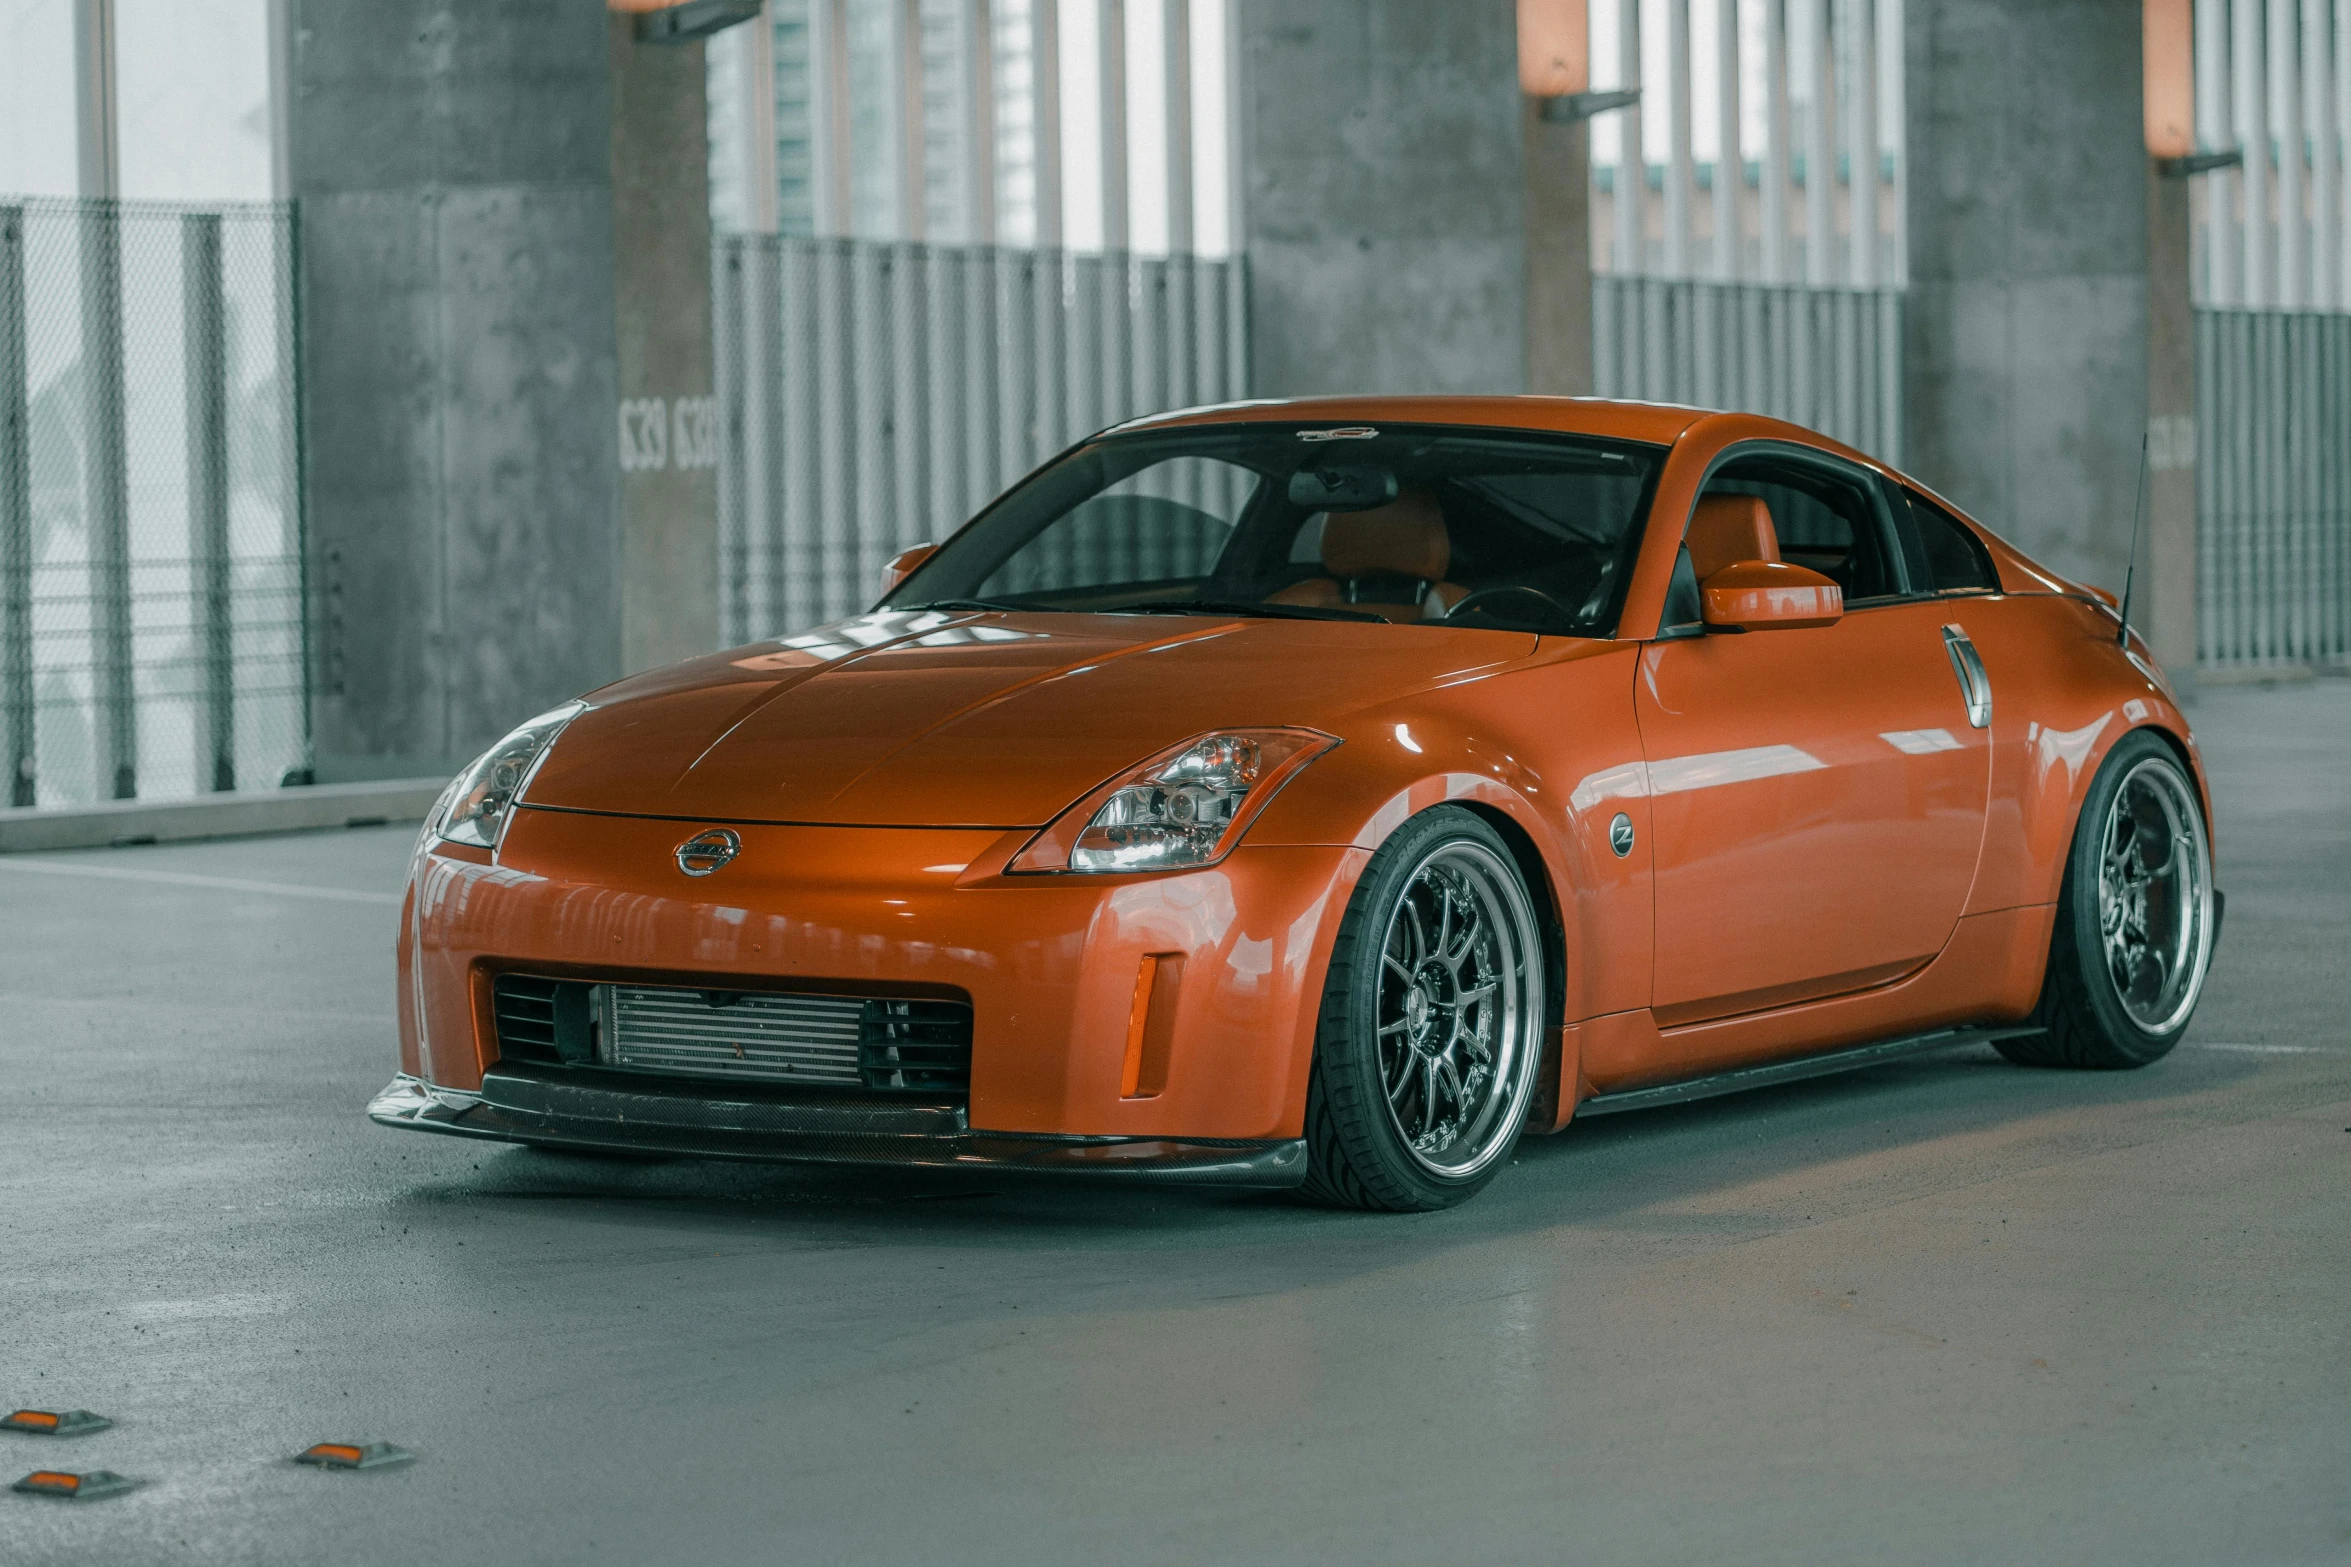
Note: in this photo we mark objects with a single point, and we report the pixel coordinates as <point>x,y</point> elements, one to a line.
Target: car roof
<point>1658,423</point>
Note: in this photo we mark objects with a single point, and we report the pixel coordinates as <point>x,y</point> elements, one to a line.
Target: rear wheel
<point>1432,1022</point>
<point>2134,918</point>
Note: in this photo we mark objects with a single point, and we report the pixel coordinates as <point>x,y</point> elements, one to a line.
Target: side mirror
<point>1759,595</point>
<point>901,566</point>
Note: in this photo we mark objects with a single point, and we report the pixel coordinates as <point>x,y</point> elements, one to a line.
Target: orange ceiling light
<point>1554,48</point>
<point>2170,61</point>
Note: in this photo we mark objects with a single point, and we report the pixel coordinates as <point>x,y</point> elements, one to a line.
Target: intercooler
<point>786,1038</point>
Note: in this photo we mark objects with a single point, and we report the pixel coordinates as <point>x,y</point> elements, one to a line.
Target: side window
<point>1826,519</point>
<point>1946,556</point>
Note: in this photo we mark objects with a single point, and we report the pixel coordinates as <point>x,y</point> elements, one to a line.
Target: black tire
<point>1359,1153</point>
<point>2085,1019</point>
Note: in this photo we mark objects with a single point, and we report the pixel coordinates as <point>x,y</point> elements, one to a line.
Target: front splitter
<point>541,1107</point>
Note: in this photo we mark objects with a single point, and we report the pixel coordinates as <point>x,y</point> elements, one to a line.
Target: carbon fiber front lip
<point>521,1106</point>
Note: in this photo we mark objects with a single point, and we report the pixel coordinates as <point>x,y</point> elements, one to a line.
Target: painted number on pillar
<point>644,435</point>
<point>2171,443</point>
<point>658,433</point>
<point>693,432</point>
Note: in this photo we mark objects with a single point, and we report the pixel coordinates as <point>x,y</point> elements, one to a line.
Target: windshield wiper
<point>995,604</point>
<point>1256,609</point>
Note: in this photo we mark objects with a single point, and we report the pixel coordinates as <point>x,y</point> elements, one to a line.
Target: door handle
<point>1975,687</point>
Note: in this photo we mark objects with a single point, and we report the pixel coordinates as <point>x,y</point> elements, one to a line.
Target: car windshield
<point>1400,524</point>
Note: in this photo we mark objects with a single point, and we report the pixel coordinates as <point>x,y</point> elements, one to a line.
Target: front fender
<point>1548,751</point>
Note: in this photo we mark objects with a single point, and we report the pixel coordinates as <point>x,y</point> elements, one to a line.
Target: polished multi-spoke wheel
<point>1449,991</point>
<point>2153,903</point>
<point>1432,1021</point>
<point>2135,921</point>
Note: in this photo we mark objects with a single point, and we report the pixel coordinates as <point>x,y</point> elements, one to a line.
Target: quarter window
<point>1946,556</point>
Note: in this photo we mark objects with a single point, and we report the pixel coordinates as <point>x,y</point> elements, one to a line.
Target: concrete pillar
<point>2166,595</point>
<point>661,282</point>
<point>2032,360</point>
<point>490,259</point>
<point>1383,172</point>
<point>1559,254</point>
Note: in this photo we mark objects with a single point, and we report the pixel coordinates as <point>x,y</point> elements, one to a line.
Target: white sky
<point>192,83</point>
<point>1146,72</point>
<point>37,156</point>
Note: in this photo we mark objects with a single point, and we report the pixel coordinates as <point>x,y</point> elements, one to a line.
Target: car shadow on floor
<point>1928,1123</point>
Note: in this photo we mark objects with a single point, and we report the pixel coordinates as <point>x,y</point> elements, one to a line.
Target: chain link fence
<point>874,395</point>
<point>151,611</point>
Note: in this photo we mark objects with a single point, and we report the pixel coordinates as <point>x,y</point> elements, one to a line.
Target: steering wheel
<point>1513,590</point>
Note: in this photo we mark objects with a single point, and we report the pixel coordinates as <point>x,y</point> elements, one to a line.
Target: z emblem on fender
<point>708,851</point>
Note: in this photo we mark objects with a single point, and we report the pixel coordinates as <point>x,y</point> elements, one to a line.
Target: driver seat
<point>1389,561</point>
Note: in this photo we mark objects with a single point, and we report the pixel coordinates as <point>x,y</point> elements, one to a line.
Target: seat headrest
<point>1727,529</point>
<point>1405,538</point>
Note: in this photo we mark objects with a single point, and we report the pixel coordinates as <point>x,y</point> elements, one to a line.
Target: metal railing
<point>2273,487</point>
<point>2273,84</point>
<point>1829,358</point>
<point>1766,144</point>
<point>150,550</point>
<point>874,395</point>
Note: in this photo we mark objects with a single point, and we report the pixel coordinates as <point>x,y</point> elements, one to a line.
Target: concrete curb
<point>219,815</point>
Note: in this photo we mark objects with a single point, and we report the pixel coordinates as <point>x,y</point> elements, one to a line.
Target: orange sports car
<point>1325,794</point>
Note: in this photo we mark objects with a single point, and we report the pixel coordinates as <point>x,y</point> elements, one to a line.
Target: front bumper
<point>1050,965</point>
<point>606,1112</point>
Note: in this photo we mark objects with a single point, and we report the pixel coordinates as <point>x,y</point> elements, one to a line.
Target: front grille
<point>737,1036</point>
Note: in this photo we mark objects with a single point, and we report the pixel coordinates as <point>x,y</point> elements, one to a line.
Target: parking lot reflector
<point>353,1455</point>
<point>45,1422</point>
<point>85,1487</point>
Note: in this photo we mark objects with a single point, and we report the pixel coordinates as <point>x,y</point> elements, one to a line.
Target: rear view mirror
<point>1343,487</point>
<point>1760,595</point>
<point>901,566</point>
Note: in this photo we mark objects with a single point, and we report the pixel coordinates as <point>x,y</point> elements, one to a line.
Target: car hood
<point>980,720</point>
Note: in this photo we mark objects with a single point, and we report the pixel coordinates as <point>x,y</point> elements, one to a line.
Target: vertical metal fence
<point>150,560</point>
<point>1747,234</point>
<point>876,394</point>
<point>1829,358</point>
<point>2273,480</point>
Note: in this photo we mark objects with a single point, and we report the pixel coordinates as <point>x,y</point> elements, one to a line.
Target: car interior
<point>1411,526</point>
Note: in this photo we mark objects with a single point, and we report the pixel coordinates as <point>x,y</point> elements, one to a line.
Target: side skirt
<point>1771,1073</point>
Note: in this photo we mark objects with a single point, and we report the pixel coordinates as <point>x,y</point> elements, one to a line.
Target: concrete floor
<point>1949,1311</point>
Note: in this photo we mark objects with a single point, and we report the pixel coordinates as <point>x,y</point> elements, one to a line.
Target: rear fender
<point>2064,697</point>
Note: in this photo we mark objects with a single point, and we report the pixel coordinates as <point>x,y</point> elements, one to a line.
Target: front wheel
<point>1432,1022</point>
<point>2135,918</point>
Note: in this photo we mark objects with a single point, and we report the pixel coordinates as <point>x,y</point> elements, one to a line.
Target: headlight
<point>1185,807</point>
<point>485,793</point>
